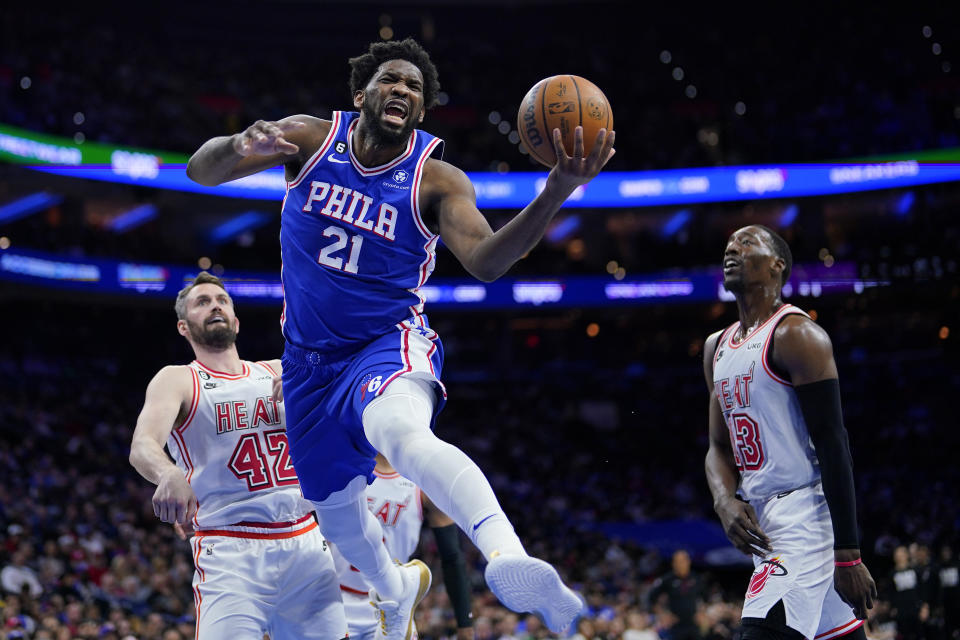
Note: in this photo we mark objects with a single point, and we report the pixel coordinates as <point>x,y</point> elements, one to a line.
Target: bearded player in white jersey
<point>261,564</point>
<point>402,509</point>
<point>779,465</point>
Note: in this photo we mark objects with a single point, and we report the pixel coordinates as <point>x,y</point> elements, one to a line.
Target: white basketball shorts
<point>799,569</point>
<point>271,579</point>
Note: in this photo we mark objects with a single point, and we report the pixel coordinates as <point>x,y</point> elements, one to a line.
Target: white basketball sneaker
<point>523,583</point>
<point>396,616</point>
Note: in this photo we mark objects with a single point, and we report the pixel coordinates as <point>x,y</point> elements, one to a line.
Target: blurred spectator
<point>682,592</point>
<point>905,597</point>
<point>950,590</point>
<point>17,577</point>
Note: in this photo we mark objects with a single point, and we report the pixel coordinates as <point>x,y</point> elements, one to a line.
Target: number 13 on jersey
<point>745,437</point>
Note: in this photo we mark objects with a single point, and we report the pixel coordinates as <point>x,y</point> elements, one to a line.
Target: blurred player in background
<point>777,439</point>
<point>261,564</point>
<point>402,509</point>
<point>367,201</point>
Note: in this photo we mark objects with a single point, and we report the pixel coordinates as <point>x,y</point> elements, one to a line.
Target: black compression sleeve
<point>454,573</point>
<point>820,404</point>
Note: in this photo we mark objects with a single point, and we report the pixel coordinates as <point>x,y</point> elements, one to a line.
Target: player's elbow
<point>485,272</point>
<point>195,172</point>
<point>137,454</point>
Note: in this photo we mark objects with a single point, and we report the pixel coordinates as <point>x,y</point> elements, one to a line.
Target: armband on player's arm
<point>820,403</point>
<point>454,573</point>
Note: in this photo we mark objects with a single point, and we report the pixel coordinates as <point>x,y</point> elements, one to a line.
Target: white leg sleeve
<point>398,425</point>
<point>346,521</point>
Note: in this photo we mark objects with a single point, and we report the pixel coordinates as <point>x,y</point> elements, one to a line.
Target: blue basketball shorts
<point>325,394</point>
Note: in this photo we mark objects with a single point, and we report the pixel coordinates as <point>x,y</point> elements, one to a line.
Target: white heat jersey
<point>398,507</point>
<point>770,440</point>
<point>232,448</point>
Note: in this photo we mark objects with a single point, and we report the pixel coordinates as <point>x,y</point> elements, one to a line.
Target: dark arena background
<point>576,380</point>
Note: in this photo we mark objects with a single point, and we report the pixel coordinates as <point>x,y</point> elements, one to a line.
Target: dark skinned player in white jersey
<point>795,384</point>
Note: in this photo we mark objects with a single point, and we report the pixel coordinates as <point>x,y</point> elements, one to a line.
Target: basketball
<point>562,102</point>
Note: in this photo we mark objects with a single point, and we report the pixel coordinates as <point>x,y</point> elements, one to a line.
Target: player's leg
<point>397,589</point>
<point>309,604</point>
<point>773,626</point>
<point>228,606</point>
<point>837,619</point>
<point>346,521</point>
<point>398,425</point>
<point>332,464</point>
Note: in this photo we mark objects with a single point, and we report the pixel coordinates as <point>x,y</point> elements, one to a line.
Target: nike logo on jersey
<point>477,526</point>
<point>332,159</point>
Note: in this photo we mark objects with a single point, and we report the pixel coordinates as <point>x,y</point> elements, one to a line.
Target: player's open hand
<point>264,138</point>
<point>856,587</point>
<point>174,499</point>
<point>580,168</point>
<point>742,527</point>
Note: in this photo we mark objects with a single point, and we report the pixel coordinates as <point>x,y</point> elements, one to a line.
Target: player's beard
<point>216,337</point>
<point>734,283</point>
<point>380,135</point>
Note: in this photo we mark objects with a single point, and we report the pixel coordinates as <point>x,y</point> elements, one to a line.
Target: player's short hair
<point>180,306</point>
<point>364,66</point>
<point>782,250</point>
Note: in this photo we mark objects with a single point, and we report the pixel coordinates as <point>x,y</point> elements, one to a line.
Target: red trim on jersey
<point>194,402</point>
<point>263,364</point>
<point>716,349</point>
<point>274,525</point>
<point>354,591</point>
<point>750,335</point>
<point>222,374</point>
<point>766,346</point>
<point>334,127</point>
<point>364,171</point>
<point>386,476</point>
<point>415,189</point>
<point>856,625</point>
<point>258,536</point>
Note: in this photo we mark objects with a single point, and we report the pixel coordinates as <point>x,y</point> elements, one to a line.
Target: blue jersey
<point>355,249</point>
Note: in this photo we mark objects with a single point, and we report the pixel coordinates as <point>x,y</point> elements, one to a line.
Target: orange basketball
<point>562,102</point>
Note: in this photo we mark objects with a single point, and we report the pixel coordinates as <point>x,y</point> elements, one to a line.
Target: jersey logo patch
<point>767,568</point>
<point>400,175</point>
<point>340,146</point>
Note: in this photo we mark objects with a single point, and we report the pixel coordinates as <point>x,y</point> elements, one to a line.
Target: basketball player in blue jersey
<point>367,200</point>
<point>779,465</point>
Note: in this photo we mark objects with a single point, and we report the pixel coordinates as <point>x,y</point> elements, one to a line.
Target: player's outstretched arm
<point>803,349</point>
<point>487,255</point>
<point>260,146</point>
<point>455,580</point>
<point>168,394</point>
<point>739,519</point>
